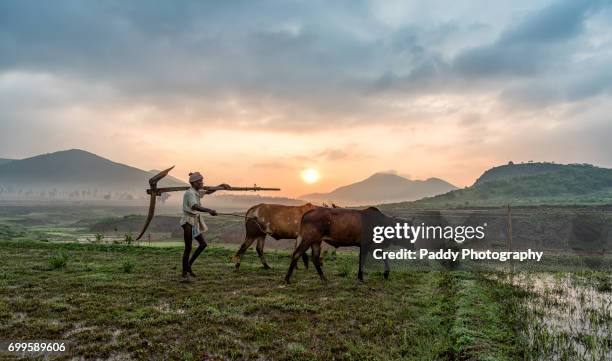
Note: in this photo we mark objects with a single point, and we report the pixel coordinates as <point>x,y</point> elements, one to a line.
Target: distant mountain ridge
<point>383,188</point>
<point>531,184</point>
<point>74,173</point>
<point>80,175</point>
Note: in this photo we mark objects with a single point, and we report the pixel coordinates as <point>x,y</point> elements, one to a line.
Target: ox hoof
<point>266,266</point>
<point>386,275</point>
<point>237,266</point>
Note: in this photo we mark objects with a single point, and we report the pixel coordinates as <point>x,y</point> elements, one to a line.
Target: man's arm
<point>212,212</point>
<point>226,186</point>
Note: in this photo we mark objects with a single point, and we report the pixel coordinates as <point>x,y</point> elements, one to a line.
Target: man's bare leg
<point>187,238</point>
<point>201,246</point>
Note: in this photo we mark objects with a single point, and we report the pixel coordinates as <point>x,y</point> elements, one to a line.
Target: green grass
<point>59,260</point>
<point>127,266</point>
<point>105,311</point>
<point>486,325</point>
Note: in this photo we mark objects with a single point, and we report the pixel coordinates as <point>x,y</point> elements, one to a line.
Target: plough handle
<point>159,191</point>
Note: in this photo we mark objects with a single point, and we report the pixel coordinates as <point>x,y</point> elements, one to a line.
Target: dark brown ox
<point>338,227</point>
<point>277,221</point>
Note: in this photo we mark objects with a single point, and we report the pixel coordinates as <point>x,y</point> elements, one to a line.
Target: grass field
<point>70,274</point>
<point>126,302</point>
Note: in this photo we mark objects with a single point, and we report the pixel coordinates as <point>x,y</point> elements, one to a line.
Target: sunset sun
<point>310,175</point>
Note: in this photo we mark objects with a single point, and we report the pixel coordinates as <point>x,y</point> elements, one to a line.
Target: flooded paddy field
<point>565,315</point>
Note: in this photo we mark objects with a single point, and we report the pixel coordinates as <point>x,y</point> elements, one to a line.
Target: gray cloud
<point>558,21</point>
<point>294,66</point>
<point>530,45</point>
<point>547,56</point>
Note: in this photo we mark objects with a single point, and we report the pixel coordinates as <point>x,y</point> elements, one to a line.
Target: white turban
<point>195,176</point>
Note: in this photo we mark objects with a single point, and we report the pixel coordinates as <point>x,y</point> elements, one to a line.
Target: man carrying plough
<point>192,223</point>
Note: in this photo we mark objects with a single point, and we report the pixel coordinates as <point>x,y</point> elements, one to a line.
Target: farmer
<point>191,221</point>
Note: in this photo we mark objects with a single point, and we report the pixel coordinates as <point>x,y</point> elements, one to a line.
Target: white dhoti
<point>197,223</point>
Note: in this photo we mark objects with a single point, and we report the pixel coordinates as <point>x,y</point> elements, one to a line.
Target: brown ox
<point>338,227</point>
<point>275,220</point>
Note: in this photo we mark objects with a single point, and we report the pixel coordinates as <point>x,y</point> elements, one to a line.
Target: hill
<point>531,184</point>
<point>4,161</point>
<point>512,170</point>
<point>80,175</point>
<point>74,174</point>
<point>383,188</point>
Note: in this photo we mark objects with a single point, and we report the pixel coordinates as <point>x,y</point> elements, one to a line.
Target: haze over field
<point>257,92</point>
<point>382,188</point>
<point>83,176</point>
<point>77,175</point>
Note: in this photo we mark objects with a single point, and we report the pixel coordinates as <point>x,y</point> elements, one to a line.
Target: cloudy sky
<point>256,91</point>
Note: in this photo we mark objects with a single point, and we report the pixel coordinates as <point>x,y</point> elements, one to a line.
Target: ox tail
<point>251,217</point>
<point>255,221</point>
<point>251,213</point>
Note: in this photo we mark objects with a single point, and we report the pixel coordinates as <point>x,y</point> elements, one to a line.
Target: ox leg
<point>260,247</point>
<point>295,246</point>
<point>304,256</point>
<point>324,251</point>
<point>252,232</point>
<point>386,274</point>
<point>316,259</point>
<point>297,253</point>
<point>362,257</point>
<point>248,241</point>
<point>305,259</point>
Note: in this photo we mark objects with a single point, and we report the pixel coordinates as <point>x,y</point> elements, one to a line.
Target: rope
<point>253,219</point>
<point>231,214</point>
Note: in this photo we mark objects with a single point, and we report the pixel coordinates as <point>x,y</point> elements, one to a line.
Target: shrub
<point>127,267</point>
<point>128,239</point>
<point>59,260</point>
<point>344,269</point>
